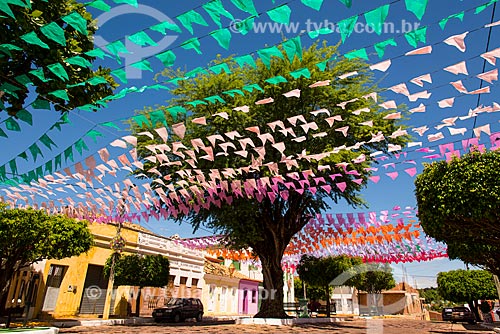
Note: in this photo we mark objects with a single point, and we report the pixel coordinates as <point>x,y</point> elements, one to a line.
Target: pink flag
<point>179,129</point>
<point>457,41</point>
<point>265,101</point>
<point>459,86</point>
<point>460,68</point>
<point>491,56</point>
<point>446,103</point>
<point>489,76</point>
<point>342,186</point>
<point>422,51</point>
<point>382,66</point>
<point>419,81</point>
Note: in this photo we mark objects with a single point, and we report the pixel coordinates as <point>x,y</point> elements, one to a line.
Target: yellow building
<point>76,286</point>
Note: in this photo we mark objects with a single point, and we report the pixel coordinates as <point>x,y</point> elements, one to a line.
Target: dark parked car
<point>458,314</point>
<point>179,309</point>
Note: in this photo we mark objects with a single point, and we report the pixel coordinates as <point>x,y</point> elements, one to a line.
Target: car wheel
<point>177,317</point>
<point>472,322</point>
<point>157,320</point>
<point>199,317</point>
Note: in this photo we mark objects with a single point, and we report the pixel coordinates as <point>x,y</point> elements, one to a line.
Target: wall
<point>250,302</point>
<point>213,296</point>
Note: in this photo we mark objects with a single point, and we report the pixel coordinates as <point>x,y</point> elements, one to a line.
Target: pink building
<point>248,298</point>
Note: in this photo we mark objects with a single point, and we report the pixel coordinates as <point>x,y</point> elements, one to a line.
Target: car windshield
<point>174,301</point>
<point>460,309</point>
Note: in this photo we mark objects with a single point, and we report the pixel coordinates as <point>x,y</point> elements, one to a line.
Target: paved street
<point>376,326</point>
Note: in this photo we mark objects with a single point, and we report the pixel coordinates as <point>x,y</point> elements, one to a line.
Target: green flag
<point>314,4</point>
<point>76,21</point>
<point>32,38</point>
<point>346,27</point>
<point>246,6</point>
<point>380,47</point>
<point>267,53</point>
<point>293,48</point>
<point>54,32</point>
<point>418,35</point>
<point>417,7</point>
<point>189,18</point>
<point>280,14</point>
<point>223,37</point>
<point>192,43</point>
<point>35,151</point>
<point>167,58</point>
<point>376,18</point>
<point>215,9</point>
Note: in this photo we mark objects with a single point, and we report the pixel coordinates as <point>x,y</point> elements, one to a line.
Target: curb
<point>286,322</point>
<point>100,322</point>
<point>490,327</point>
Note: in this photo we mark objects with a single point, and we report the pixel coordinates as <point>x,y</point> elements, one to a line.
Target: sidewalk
<point>495,326</point>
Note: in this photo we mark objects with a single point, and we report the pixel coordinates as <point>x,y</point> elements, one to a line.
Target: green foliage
<point>459,202</point>
<point>434,301</point>
<point>312,292</point>
<point>321,272</point>
<point>267,226</point>
<point>374,278</point>
<point>15,63</point>
<point>28,236</point>
<point>462,286</point>
<point>136,270</point>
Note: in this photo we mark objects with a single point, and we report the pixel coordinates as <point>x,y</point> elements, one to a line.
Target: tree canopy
<point>321,272</point>
<point>266,223</point>
<point>459,204</point>
<point>28,236</point>
<point>137,270</point>
<point>46,45</point>
<point>141,271</point>
<point>374,278</point>
<point>466,286</point>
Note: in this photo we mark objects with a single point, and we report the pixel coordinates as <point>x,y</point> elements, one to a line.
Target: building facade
<point>76,286</point>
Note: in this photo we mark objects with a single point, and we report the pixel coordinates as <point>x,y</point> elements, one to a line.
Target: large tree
<point>28,236</point>
<point>459,204</point>
<point>141,271</point>
<point>265,223</point>
<point>18,57</point>
<point>467,286</point>
<point>321,272</point>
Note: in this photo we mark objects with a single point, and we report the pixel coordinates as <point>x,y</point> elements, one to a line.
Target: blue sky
<point>384,195</point>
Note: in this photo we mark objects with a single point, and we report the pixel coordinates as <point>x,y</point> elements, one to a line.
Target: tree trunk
<point>272,296</point>
<point>138,302</point>
<point>473,308</point>
<point>327,296</point>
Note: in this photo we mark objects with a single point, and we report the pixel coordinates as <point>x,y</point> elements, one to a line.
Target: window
<point>254,296</point>
<point>194,282</point>
<point>183,280</point>
<point>237,265</point>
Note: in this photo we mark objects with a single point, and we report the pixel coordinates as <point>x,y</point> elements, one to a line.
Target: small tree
<point>459,202</point>
<point>312,292</point>
<point>141,271</point>
<point>373,278</point>
<point>28,236</point>
<point>466,286</point>
<point>18,60</point>
<point>320,272</point>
